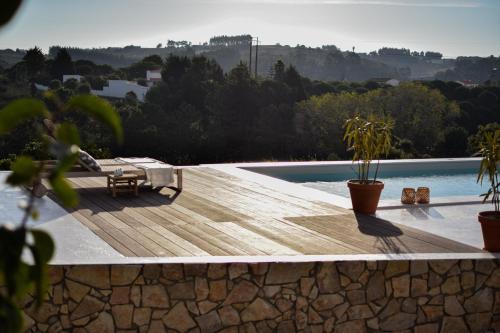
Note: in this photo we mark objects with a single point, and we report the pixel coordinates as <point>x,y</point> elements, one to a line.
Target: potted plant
<point>369,139</point>
<point>489,150</point>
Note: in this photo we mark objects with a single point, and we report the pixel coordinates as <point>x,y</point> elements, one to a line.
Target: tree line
<point>200,114</point>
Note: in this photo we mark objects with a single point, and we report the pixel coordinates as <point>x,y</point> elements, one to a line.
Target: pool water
<point>441,184</point>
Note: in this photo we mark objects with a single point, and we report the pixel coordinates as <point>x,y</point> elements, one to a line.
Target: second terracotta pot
<point>365,197</point>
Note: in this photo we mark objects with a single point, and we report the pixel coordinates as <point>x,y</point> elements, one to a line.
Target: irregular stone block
<point>245,291</point>
<point>123,275</point>
<point>418,267</point>
<point>351,326</point>
<point>217,291</point>
<point>88,306</point>
<point>123,315</point>
<point>229,316</point>
<point>209,322</point>
<point>454,324</point>
<point>418,287</point>
<point>441,266</point>
<point>76,290</point>
<point>141,316</point>
<point>280,273</point>
<point>351,269</point>
<point>120,295</point>
<point>396,267</point>
<point>328,278</point>
<point>216,271</point>
<point>259,310</point>
<point>427,328</point>
<point>376,287</point>
<point>451,285</point>
<point>179,319</point>
<point>152,271</point>
<point>398,322</point>
<point>43,313</point>
<point>362,311</point>
<point>94,276</point>
<point>103,324</point>
<point>174,272</point>
<point>481,301</point>
<point>401,286</point>
<point>237,269</point>
<point>259,268</point>
<point>479,322</point>
<point>154,296</point>
<point>195,269</point>
<point>329,301</point>
<point>181,290</point>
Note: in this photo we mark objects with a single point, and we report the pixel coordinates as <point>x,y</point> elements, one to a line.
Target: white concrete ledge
<point>274,259</point>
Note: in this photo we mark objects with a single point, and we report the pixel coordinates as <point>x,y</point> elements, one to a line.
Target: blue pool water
<point>442,183</point>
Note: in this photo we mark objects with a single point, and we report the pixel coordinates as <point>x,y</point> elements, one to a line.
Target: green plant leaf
<point>10,316</point>
<point>63,190</point>
<point>44,243</point>
<point>101,110</point>
<point>24,171</point>
<point>19,111</point>
<point>8,9</point>
<point>67,133</point>
<point>42,251</point>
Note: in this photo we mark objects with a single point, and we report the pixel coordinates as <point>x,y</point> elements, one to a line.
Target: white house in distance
<point>153,76</point>
<point>120,88</point>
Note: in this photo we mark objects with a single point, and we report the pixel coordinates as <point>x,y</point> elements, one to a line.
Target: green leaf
<point>44,243</point>
<point>19,111</point>
<point>67,133</point>
<point>24,170</point>
<point>7,10</point>
<point>66,162</point>
<point>42,251</point>
<point>63,190</point>
<point>10,316</point>
<point>101,110</point>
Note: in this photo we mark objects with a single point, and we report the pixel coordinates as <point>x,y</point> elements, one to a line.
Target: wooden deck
<point>220,215</point>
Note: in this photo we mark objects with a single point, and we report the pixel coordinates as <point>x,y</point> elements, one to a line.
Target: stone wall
<point>351,296</point>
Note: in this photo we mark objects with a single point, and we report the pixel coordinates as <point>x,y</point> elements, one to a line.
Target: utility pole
<point>256,55</point>
<point>250,58</point>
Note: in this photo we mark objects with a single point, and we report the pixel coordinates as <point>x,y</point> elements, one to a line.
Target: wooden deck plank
<point>218,214</point>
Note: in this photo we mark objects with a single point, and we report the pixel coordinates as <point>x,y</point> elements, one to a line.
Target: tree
<point>35,61</point>
<point>62,65</point>
<point>159,46</point>
<point>279,71</point>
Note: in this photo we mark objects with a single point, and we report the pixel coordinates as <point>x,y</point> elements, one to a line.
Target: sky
<point>452,27</point>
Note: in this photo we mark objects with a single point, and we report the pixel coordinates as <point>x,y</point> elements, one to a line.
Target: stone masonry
<point>422,296</point>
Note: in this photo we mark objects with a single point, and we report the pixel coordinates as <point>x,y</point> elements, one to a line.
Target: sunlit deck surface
<point>218,214</point>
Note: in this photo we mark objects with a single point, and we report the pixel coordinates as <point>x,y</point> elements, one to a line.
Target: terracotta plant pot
<point>365,197</point>
<point>490,225</point>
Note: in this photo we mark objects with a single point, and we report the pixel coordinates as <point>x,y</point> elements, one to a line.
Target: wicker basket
<point>408,196</point>
<point>423,195</point>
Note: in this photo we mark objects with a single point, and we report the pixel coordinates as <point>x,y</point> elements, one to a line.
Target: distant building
<point>72,76</point>
<point>385,80</point>
<point>117,88</point>
<point>153,75</point>
<point>120,88</point>
<point>468,83</point>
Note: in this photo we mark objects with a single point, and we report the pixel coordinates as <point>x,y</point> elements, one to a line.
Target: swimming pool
<point>444,177</point>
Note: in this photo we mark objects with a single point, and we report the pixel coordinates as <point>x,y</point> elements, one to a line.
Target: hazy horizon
<point>452,27</point>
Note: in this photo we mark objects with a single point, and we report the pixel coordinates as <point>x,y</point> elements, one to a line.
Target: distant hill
<point>327,63</point>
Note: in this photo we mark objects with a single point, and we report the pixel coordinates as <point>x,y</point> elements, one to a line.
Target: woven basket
<point>423,195</point>
<point>408,196</point>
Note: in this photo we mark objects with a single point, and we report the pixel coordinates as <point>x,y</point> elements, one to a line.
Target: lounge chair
<point>108,167</point>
